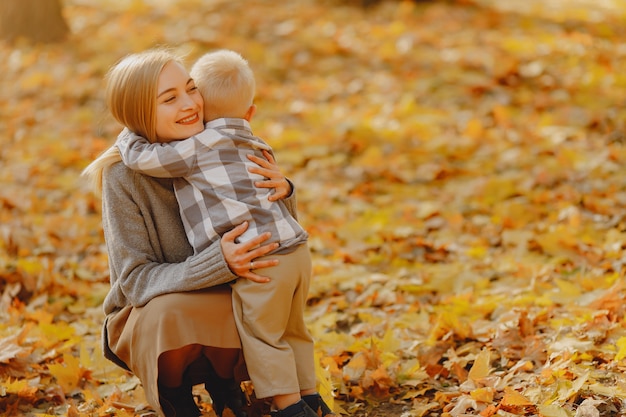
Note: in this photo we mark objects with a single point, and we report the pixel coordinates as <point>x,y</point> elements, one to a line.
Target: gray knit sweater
<point>149,254</point>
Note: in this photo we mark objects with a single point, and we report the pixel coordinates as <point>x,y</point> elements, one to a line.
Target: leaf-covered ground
<point>459,165</point>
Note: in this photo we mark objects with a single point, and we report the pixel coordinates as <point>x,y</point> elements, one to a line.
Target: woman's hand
<point>275,179</point>
<point>240,256</point>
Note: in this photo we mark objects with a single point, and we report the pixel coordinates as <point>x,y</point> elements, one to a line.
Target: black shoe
<point>225,393</point>
<point>316,402</point>
<point>299,409</point>
<point>178,401</point>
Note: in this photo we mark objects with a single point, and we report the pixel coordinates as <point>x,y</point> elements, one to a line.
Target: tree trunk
<point>36,20</point>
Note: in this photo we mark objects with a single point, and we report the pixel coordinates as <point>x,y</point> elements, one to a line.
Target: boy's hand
<point>275,179</point>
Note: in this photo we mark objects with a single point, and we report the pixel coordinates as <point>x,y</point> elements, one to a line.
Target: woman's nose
<point>189,102</point>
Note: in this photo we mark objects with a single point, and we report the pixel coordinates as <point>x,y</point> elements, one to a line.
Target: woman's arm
<point>149,254</point>
<point>148,250</point>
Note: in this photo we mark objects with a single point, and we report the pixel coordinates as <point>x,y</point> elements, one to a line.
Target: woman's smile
<point>189,120</point>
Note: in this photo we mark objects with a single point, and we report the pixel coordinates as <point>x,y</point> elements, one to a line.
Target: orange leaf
<point>513,398</point>
<point>489,411</point>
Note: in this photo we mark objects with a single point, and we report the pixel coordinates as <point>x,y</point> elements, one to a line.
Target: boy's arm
<point>163,160</point>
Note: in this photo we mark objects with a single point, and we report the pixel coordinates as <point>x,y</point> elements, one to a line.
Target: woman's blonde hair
<point>226,83</point>
<point>131,97</point>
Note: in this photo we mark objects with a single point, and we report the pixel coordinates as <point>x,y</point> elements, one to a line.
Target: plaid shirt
<point>214,189</point>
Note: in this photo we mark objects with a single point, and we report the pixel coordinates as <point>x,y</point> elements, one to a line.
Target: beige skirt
<point>138,336</point>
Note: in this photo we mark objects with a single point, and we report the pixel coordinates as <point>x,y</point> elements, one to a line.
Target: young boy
<point>218,193</point>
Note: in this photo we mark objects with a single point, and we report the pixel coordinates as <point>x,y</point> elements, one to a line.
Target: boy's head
<point>226,83</point>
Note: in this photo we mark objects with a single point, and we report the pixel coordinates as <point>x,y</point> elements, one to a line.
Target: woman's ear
<point>251,111</point>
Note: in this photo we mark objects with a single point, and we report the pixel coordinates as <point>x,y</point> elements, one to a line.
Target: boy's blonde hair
<point>131,96</point>
<point>226,83</point>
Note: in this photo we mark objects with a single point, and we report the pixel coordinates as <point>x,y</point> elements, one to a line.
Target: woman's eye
<point>193,89</point>
<point>170,99</point>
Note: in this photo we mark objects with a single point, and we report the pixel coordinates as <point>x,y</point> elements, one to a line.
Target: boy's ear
<point>251,111</point>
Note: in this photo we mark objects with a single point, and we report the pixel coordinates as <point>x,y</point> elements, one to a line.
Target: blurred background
<point>459,166</point>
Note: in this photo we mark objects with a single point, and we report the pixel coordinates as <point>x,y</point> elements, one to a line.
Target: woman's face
<point>179,105</point>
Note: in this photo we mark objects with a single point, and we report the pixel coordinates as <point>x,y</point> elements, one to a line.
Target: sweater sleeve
<point>144,238</point>
<point>290,201</point>
<point>162,160</point>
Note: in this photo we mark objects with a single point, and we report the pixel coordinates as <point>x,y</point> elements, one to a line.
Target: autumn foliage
<point>459,167</point>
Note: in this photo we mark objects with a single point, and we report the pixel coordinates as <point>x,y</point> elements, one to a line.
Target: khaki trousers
<point>277,346</point>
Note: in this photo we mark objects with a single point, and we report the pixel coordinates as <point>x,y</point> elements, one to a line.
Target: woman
<point>169,316</point>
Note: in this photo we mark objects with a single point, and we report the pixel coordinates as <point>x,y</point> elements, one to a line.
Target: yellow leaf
<point>557,242</point>
<point>480,368</point>
<point>57,332</point>
<point>86,357</point>
<point>552,411</point>
<point>390,342</point>
<point>68,373</point>
<point>497,189</point>
<point>477,252</point>
<point>514,398</point>
<point>484,395</point>
<point>621,345</point>
<point>474,129</point>
<point>568,288</point>
<point>325,387</point>
<point>19,387</point>
<point>450,321</point>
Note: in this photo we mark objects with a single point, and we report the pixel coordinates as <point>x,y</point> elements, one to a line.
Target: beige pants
<point>277,346</point>
<point>138,336</point>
